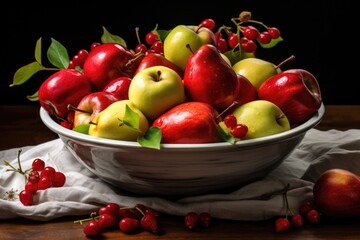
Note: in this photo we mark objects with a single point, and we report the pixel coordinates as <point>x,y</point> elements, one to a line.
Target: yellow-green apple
<point>119,87</point>
<point>336,193</point>
<point>209,78</point>
<point>107,62</point>
<point>189,122</point>
<point>121,120</point>
<point>295,91</point>
<point>66,86</point>
<point>180,38</point>
<point>156,59</point>
<point>91,105</point>
<point>155,90</point>
<point>256,70</point>
<point>262,118</point>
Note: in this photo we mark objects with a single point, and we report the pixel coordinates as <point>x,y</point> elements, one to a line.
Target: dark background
<point>321,34</point>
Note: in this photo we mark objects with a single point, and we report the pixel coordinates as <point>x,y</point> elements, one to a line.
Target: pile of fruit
<point>189,84</point>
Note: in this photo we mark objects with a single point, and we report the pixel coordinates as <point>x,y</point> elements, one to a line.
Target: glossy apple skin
<point>92,104</point>
<point>156,59</point>
<point>336,193</point>
<point>107,62</point>
<point>246,91</point>
<point>119,87</point>
<point>189,122</point>
<point>209,78</point>
<point>295,91</point>
<point>67,86</point>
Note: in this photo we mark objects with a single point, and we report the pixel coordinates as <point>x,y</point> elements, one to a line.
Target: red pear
<point>209,78</point>
<point>189,122</point>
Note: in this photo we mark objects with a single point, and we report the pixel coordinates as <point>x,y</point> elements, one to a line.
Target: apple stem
<point>72,108</point>
<point>188,47</point>
<point>292,57</point>
<point>226,109</point>
<point>280,117</point>
<point>92,123</point>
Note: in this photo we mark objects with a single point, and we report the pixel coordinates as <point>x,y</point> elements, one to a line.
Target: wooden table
<point>22,126</point>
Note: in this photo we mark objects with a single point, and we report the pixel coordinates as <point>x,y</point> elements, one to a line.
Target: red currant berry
<point>34,177</point>
<point>141,48</point>
<point>251,32</point>
<point>92,228</point>
<point>151,37</point>
<point>312,216</point>
<point>48,172</point>
<point>94,45</point>
<point>44,183</point>
<point>59,179</point>
<point>230,121</point>
<point>107,220</point>
<point>26,198</point>
<point>128,225</point>
<point>222,45</point>
<point>233,40</point>
<point>150,223</point>
<point>38,164</point>
<point>208,23</point>
<point>191,220</point>
<point>264,37</point>
<point>305,207</point>
<point>249,46</point>
<point>282,225</point>
<point>297,220</point>
<point>158,47</point>
<point>205,219</point>
<point>111,208</point>
<point>274,32</point>
<point>66,124</point>
<point>31,187</point>
<point>239,130</point>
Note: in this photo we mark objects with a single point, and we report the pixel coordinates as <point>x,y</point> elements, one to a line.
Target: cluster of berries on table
<point>38,177</point>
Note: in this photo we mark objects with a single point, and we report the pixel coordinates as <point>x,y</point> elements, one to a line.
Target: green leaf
<point>38,51</point>
<point>26,72</point>
<point>163,34</point>
<point>131,118</point>
<point>58,55</point>
<point>109,37</point>
<point>151,139</point>
<point>82,128</point>
<point>272,43</point>
<point>33,97</point>
<point>235,56</point>
<point>226,137</point>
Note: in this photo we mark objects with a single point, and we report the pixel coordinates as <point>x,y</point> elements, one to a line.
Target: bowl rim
<point>301,129</point>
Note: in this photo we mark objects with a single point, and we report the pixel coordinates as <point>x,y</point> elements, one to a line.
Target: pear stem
<point>292,57</point>
<point>72,108</point>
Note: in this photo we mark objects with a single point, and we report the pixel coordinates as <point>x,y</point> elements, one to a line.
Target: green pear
<point>256,70</point>
<point>263,118</point>
<point>121,120</point>
<point>181,37</point>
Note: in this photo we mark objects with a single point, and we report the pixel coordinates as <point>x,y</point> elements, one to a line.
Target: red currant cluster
<point>79,58</point>
<point>246,34</point>
<point>237,130</point>
<point>192,220</point>
<point>154,43</point>
<point>38,177</point>
<point>127,219</point>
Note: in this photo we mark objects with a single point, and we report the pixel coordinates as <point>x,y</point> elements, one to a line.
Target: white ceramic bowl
<point>178,170</point>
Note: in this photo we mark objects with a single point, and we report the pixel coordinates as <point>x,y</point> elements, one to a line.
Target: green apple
<point>179,38</point>
<point>155,90</point>
<point>263,118</point>
<point>256,70</point>
<point>121,120</point>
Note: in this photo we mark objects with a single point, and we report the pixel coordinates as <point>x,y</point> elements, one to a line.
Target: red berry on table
<point>191,220</point>
<point>150,223</point>
<point>59,179</point>
<point>128,225</point>
<point>26,197</point>
<point>92,228</point>
<point>38,164</point>
<point>297,220</point>
<point>282,225</point>
<point>305,207</point>
<point>205,219</point>
<point>107,220</point>
<point>312,216</point>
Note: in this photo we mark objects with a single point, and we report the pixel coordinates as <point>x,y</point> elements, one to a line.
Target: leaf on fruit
<point>26,72</point>
<point>131,118</point>
<point>272,43</point>
<point>82,128</point>
<point>58,55</point>
<point>163,34</point>
<point>226,137</point>
<point>235,56</point>
<point>151,139</point>
<point>38,51</point>
<point>33,97</point>
<point>109,37</point>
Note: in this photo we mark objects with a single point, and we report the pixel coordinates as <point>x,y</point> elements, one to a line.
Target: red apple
<point>336,193</point>
<point>189,122</point>
<point>246,92</point>
<point>90,105</point>
<point>107,62</point>
<point>119,87</point>
<point>209,78</point>
<point>295,91</point>
<point>67,86</point>
<point>156,59</point>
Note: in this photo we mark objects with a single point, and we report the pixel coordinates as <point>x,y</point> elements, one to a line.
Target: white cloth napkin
<point>84,192</point>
